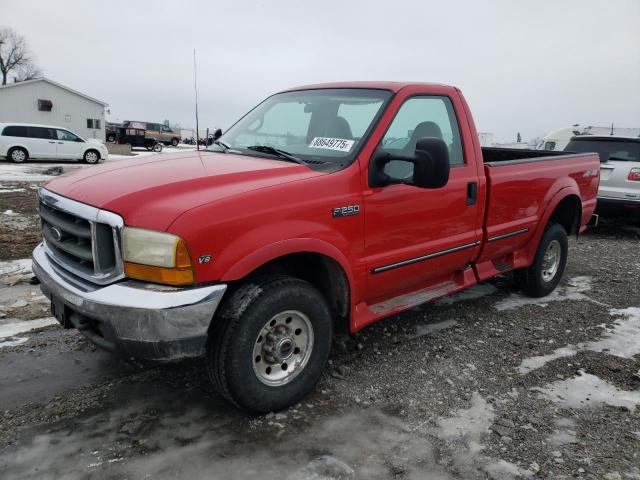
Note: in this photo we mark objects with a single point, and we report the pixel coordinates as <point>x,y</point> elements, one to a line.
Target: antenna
<point>195,87</point>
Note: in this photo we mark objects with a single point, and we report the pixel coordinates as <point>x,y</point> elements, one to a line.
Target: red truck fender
<point>565,189</point>
<point>273,251</point>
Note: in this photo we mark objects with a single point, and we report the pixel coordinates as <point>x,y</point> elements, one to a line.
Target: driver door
<point>418,238</point>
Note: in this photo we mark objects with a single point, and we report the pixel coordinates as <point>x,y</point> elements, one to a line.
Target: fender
<point>265,254</point>
<point>567,186</point>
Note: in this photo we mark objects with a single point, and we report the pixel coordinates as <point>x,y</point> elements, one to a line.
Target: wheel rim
<point>18,156</point>
<point>91,157</point>
<point>282,348</point>
<point>551,260</point>
<point>157,148</point>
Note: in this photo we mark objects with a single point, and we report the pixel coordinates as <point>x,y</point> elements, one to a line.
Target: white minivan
<point>21,141</point>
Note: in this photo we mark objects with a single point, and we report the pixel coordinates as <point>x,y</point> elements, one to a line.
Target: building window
<point>93,123</point>
<point>45,105</point>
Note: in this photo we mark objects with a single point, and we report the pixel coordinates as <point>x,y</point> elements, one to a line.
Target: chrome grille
<point>80,238</point>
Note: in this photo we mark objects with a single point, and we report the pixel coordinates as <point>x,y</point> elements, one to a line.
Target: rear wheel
<point>174,142</point>
<point>91,157</point>
<point>270,344</point>
<point>157,147</point>
<point>18,155</point>
<point>543,276</point>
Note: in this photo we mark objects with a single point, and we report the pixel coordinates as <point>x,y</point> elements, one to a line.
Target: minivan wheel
<point>91,157</point>
<point>18,155</point>
<point>269,346</point>
<point>174,142</point>
<point>543,276</point>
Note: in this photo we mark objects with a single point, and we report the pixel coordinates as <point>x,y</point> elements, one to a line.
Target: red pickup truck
<point>325,208</point>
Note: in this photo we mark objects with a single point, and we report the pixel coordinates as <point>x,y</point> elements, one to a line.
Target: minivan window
<point>66,136</point>
<point>15,131</point>
<point>41,132</point>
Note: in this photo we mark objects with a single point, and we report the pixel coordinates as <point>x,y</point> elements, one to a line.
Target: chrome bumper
<point>132,318</point>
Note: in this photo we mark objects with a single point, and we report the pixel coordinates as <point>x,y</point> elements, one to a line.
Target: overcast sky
<point>530,66</point>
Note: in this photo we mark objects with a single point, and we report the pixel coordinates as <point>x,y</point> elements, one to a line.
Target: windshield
<point>607,149</point>
<point>324,125</point>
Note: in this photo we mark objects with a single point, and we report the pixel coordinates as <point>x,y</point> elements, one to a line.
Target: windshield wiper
<point>225,147</point>
<point>277,152</point>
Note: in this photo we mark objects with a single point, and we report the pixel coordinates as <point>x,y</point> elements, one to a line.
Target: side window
<point>417,118</point>
<point>15,131</point>
<point>66,136</point>
<point>40,132</point>
<point>549,145</point>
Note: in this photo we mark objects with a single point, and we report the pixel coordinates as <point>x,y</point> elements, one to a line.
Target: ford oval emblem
<point>56,234</point>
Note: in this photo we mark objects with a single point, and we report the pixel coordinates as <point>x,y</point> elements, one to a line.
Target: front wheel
<point>91,157</point>
<point>157,147</point>
<point>543,276</point>
<point>174,142</point>
<point>269,345</point>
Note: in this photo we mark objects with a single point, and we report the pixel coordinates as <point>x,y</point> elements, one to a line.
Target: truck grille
<point>82,239</point>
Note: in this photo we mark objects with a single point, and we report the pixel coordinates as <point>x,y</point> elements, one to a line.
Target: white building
<point>46,102</point>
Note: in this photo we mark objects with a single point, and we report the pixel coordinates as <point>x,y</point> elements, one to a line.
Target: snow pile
<point>15,267</point>
<point>622,340</point>
<point>468,425</point>
<point>573,290</point>
<point>588,391</point>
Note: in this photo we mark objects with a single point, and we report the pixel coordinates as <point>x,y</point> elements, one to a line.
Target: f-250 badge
<point>346,211</point>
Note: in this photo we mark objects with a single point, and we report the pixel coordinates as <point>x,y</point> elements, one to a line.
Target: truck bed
<point>521,186</point>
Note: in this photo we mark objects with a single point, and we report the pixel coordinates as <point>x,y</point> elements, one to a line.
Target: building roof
<point>59,85</point>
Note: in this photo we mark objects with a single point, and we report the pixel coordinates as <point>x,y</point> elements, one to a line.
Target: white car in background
<point>22,141</point>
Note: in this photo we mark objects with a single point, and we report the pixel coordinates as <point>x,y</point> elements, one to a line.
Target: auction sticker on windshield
<point>326,143</point>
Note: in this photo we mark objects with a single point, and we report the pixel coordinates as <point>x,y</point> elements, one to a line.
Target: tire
<point>91,157</point>
<point>157,147</point>
<point>238,359</point>
<point>18,155</point>
<point>543,276</point>
<point>174,142</point>
<point>111,138</point>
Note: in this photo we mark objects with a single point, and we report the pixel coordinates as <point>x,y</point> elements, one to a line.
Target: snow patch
<point>16,267</point>
<point>10,213</point>
<point>468,425</point>
<point>588,391</point>
<point>573,290</point>
<point>12,342</point>
<point>11,329</point>
<point>505,470</point>
<point>621,340</point>
<point>477,291</point>
<point>12,190</point>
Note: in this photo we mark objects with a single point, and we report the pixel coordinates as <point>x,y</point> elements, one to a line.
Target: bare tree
<point>15,57</point>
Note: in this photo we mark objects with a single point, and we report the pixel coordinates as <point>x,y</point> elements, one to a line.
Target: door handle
<point>61,143</point>
<point>52,142</point>
<point>472,193</point>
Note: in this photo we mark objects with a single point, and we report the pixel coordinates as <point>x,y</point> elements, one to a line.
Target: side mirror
<point>431,164</point>
<point>78,139</point>
<point>217,134</point>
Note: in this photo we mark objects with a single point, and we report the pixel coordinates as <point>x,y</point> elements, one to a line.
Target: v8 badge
<point>204,258</point>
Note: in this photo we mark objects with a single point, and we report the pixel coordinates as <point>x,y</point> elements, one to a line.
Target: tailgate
<point>615,182</point>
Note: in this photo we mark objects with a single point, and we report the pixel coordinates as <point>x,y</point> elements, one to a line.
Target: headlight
<point>156,257</point>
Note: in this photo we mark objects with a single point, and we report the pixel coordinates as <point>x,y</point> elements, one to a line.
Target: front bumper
<point>131,318</point>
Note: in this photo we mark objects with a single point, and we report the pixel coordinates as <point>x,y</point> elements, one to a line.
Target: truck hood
<point>152,191</point>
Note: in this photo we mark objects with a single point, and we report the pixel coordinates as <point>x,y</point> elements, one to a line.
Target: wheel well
<point>91,150</point>
<point>319,270</point>
<point>568,213</point>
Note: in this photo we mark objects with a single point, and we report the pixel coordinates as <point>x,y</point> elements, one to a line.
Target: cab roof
<point>392,86</point>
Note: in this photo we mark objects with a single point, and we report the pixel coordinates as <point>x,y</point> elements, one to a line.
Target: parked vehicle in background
<point>21,141</point>
<point>136,137</point>
<point>558,139</point>
<point>619,192</point>
<point>158,131</point>
<point>301,220</point>
<point>110,130</point>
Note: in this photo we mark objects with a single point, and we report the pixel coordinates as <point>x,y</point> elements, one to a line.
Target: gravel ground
<point>486,384</point>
